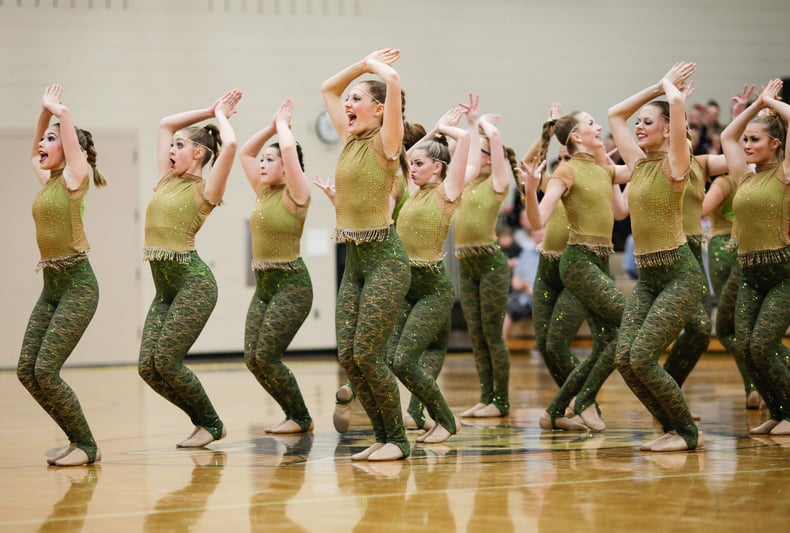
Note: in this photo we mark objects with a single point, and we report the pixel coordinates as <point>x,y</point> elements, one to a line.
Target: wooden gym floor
<point>496,475</point>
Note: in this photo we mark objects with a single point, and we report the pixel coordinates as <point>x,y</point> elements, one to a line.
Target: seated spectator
<point>519,302</point>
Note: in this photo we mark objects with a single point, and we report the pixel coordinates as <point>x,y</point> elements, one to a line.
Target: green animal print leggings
<point>281,302</point>
<point>484,283</point>
<point>762,315</point>
<point>662,302</point>
<point>587,276</point>
<point>425,314</point>
<point>725,277</point>
<point>695,337</point>
<point>59,318</point>
<point>557,316</point>
<point>186,293</point>
<point>372,289</point>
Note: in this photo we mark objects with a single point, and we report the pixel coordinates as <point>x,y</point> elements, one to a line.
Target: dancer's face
<point>652,129</point>
<point>272,171</point>
<point>759,147</point>
<point>424,170</point>
<point>363,111</point>
<point>587,133</point>
<point>50,150</point>
<point>185,156</point>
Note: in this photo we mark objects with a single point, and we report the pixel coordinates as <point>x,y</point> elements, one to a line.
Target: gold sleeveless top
<point>57,213</point>
<point>721,219</point>
<point>588,202</point>
<point>364,179</point>
<point>762,209</point>
<point>424,222</point>
<point>655,201</point>
<point>174,215</point>
<point>475,220</point>
<point>693,197</point>
<point>276,225</point>
<point>555,234</point>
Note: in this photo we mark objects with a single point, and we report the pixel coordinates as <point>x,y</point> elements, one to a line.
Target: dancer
<point>377,276</point>
<point>725,274</point>
<point>694,339</point>
<point>671,282</point>
<point>762,214</point>
<point>556,313</point>
<point>186,291</point>
<point>63,158</point>
<point>484,270</point>
<point>341,416</point>
<point>591,195</point>
<point>423,225</point>
<point>283,290</point>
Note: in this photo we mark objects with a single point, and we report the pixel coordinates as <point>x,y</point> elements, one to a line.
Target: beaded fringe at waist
<point>661,258</point>
<point>286,266</point>
<point>764,257</point>
<point>162,254</point>
<point>433,266</point>
<point>549,255</point>
<point>362,235</point>
<point>473,251</point>
<point>61,263</point>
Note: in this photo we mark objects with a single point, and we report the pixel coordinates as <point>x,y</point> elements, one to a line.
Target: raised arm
<point>730,137</point>
<point>450,118</point>
<point>218,178</point>
<point>332,89</point>
<point>530,174</point>
<point>77,169</point>
<point>473,162</point>
<point>249,154</point>
<point>500,170</point>
<point>171,124</point>
<point>679,147</point>
<point>295,180</point>
<point>41,126</point>
<point>456,171</point>
<point>771,99</point>
<point>619,113</point>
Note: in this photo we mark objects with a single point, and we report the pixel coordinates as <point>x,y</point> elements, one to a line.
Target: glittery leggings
<point>485,281</point>
<point>725,276</point>
<point>425,313</point>
<point>557,315</point>
<point>762,316</point>
<point>374,284</point>
<point>281,302</point>
<point>695,337</point>
<point>59,318</point>
<point>662,302</point>
<point>586,275</point>
<point>186,293</point>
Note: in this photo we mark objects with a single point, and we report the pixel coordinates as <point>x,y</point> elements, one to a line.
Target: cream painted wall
<point>126,63</point>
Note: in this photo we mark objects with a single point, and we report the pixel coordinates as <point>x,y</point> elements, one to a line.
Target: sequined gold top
<point>693,197</point>
<point>364,180</point>
<point>556,232</point>
<point>588,201</point>
<point>476,217</point>
<point>57,213</point>
<point>174,215</point>
<point>721,218</point>
<point>276,225</point>
<point>762,209</point>
<point>424,222</point>
<point>655,201</point>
